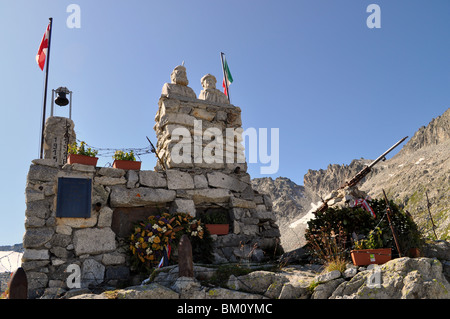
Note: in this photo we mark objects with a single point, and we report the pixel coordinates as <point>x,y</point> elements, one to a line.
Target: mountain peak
<point>436,132</point>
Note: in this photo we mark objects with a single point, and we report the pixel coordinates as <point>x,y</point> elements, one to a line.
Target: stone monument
<point>205,172</point>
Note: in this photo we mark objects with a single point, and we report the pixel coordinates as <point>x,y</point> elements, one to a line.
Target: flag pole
<point>45,87</point>
<point>225,77</point>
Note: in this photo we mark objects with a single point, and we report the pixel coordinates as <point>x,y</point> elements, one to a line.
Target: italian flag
<point>43,48</point>
<point>227,77</point>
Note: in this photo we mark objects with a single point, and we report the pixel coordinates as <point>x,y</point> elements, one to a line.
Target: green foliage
<point>81,150</point>
<point>123,156</point>
<point>374,240</point>
<point>357,221</point>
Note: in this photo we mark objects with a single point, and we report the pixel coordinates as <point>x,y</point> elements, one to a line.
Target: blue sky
<point>336,89</point>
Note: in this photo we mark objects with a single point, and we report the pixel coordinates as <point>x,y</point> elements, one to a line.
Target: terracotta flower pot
<point>218,229</point>
<point>82,159</point>
<point>414,253</point>
<point>364,257</point>
<point>127,165</point>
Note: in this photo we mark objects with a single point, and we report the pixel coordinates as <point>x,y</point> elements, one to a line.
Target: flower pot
<point>127,165</point>
<point>82,159</point>
<point>218,229</point>
<point>364,257</point>
<point>414,253</point>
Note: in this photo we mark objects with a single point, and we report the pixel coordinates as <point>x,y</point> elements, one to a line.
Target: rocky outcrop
<point>402,278</point>
<point>436,132</point>
<point>322,182</point>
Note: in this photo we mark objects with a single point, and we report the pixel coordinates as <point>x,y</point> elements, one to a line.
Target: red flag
<point>43,48</point>
<point>364,203</point>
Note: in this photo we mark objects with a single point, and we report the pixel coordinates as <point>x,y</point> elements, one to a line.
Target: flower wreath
<point>152,239</point>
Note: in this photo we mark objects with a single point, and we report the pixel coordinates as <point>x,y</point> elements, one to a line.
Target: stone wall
<point>98,244</point>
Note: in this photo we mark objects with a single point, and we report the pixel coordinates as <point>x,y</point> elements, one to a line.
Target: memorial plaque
<point>74,197</point>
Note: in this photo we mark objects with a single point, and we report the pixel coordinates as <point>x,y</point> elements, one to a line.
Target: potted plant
<point>216,222</point>
<point>126,161</point>
<point>81,155</point>
<point>369,251</point>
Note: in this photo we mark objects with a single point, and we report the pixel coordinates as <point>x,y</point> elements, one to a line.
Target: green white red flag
<point>43,49</point>
<point>227,77</point>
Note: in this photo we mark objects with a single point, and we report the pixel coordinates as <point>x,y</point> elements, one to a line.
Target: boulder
<point>152,291</point>
<point>254,282</point>
<point>439,249</point>
<point>401,278</point>
<point>222,293</point>
<point>328,276</point>
<point>324,291</point>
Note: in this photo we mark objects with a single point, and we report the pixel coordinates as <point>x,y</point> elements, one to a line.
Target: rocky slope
<point>421,167</point>
<point>436,132</point>
<point>322,182</point>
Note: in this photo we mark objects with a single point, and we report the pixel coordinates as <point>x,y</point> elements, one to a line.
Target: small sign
<point>372,257</point>
<point>74,197</point>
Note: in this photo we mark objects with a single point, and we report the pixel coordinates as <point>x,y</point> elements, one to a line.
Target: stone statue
<point>178,85</point>
<point>209,92</point>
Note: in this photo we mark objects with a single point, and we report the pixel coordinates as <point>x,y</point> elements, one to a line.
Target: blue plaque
<point>74,197</point>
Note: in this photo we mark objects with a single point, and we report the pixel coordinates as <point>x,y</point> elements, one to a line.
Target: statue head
<point>179,76</point>
<point>208,81</point>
